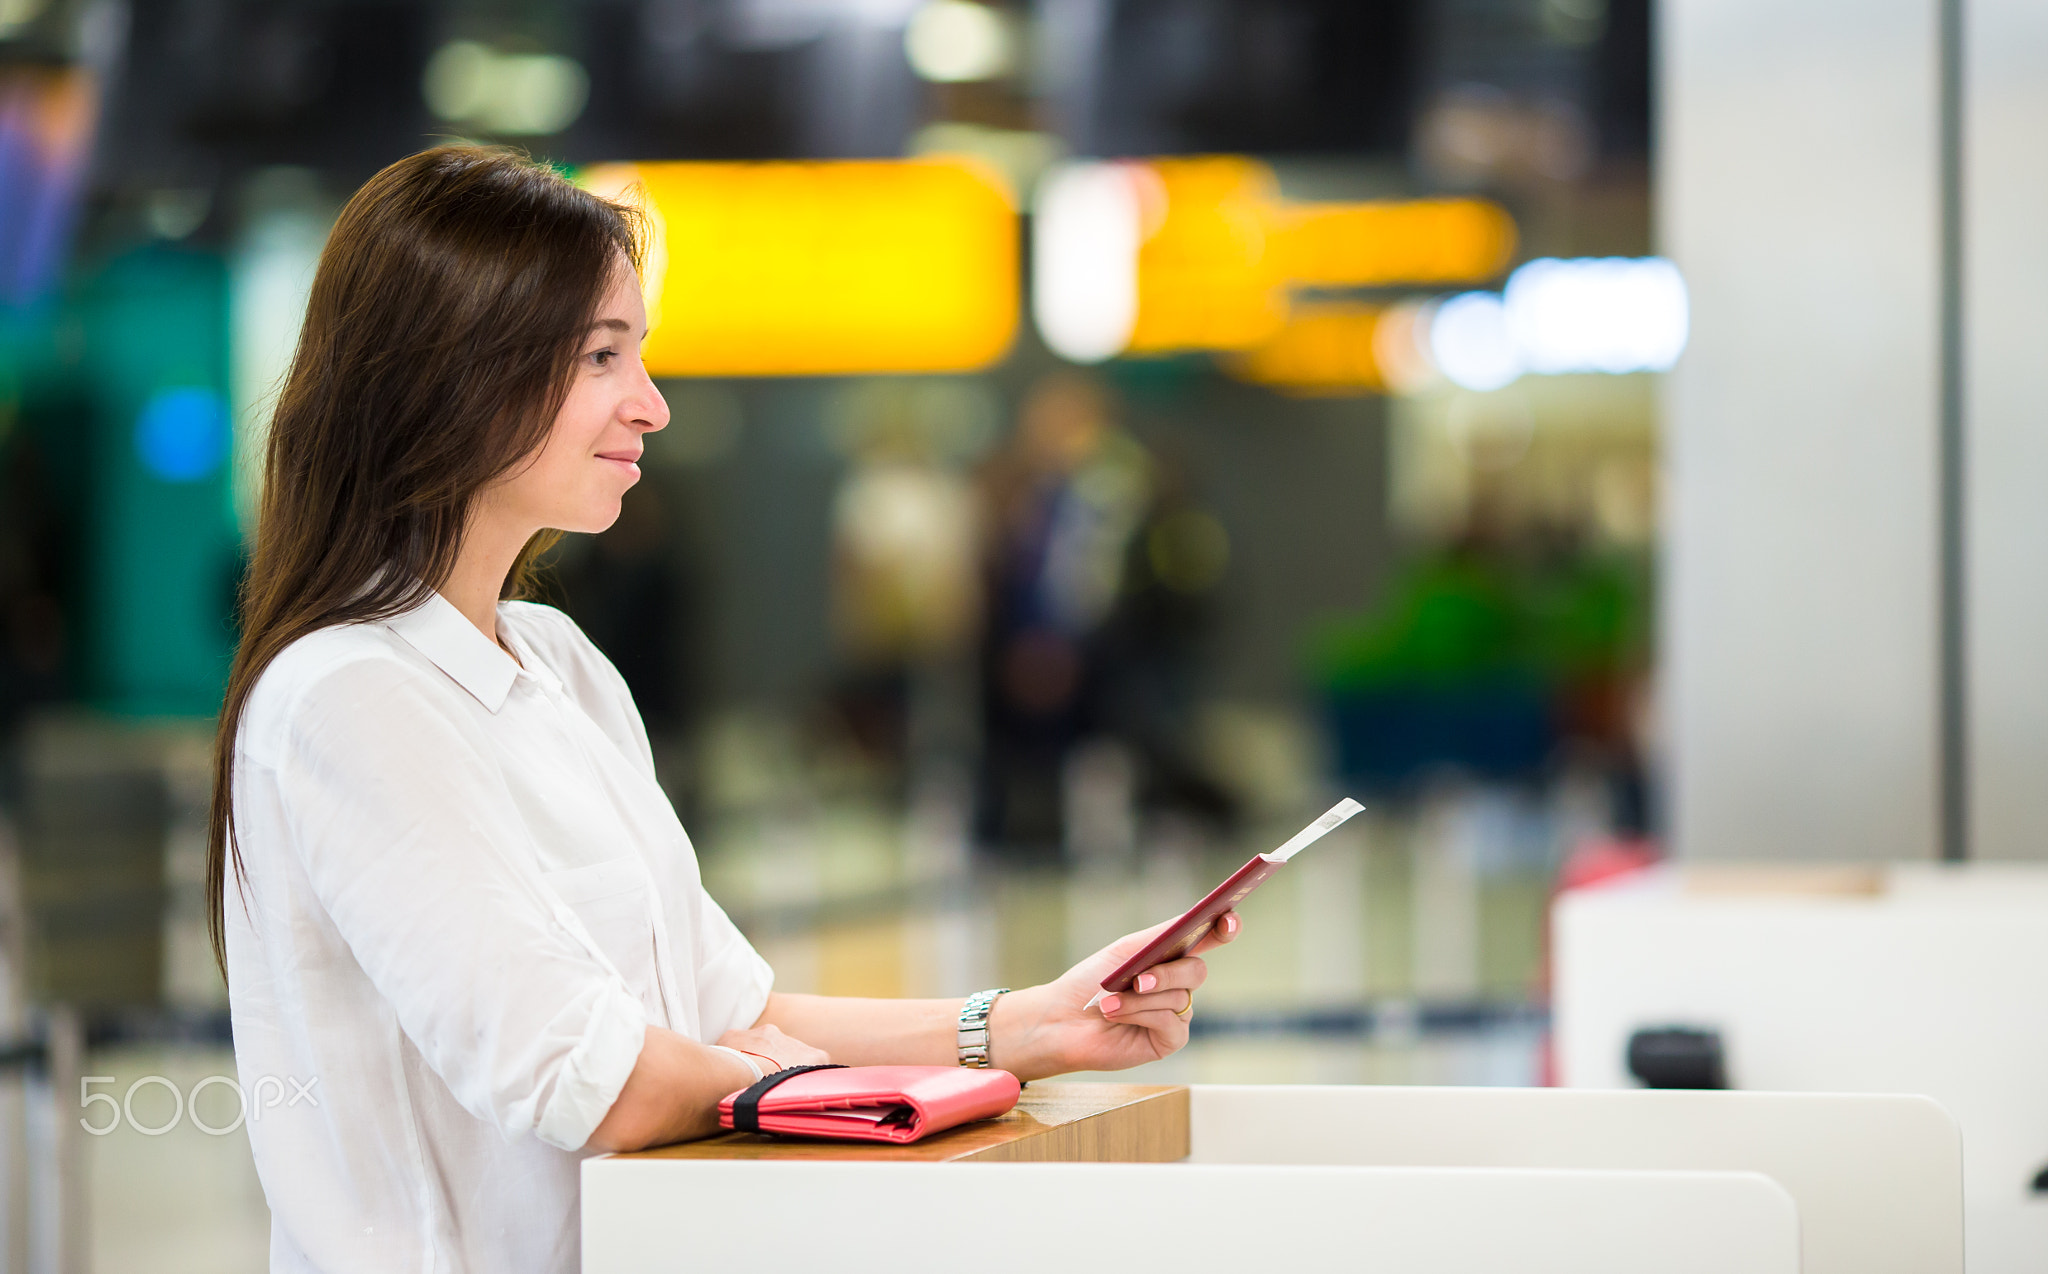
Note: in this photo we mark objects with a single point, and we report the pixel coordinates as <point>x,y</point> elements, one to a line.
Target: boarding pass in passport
<point>1178,938</point>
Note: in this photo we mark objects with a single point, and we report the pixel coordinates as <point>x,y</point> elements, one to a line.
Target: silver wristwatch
<point>973,1034</point>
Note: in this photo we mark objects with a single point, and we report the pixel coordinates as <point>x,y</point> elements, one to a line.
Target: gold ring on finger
<point>1183,1013</point>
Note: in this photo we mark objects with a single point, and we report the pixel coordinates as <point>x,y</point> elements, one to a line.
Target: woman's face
<point>591,453</point>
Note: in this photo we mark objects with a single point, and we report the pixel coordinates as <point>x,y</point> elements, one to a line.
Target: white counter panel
<point>1877,1179</point>
<point>648,1216</point>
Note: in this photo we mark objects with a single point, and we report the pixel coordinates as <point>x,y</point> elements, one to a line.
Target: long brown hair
<point>451,300</point>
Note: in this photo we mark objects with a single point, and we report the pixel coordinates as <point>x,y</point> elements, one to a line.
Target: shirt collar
<point>440,632</point>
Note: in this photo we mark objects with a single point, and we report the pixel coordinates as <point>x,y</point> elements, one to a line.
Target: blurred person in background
<point>906,586</point>
<point>1153,645</point>
<point>445,886</point>
<point>1064,499</point>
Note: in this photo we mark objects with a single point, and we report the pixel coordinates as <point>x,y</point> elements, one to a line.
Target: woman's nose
<point>649,410</point>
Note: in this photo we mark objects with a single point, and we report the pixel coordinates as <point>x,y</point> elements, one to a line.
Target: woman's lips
<point>626,459</point>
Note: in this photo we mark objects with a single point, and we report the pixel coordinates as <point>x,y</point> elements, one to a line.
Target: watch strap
<point>972,1035</point>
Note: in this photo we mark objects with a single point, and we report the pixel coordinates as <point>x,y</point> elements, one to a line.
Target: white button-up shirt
<point>465,900</point>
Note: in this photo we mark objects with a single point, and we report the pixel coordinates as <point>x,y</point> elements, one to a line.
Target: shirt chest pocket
<point>611,899</point>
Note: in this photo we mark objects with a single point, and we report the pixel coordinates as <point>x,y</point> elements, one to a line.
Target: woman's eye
<point>602,357</point>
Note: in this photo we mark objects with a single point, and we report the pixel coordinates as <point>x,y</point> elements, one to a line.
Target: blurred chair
<point>93,873</point>
<point>85,942</point>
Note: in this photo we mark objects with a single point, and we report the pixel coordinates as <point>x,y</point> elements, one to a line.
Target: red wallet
<point>896,1104</point>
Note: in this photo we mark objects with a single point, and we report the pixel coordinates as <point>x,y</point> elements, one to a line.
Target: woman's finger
<point>1226,929</point>
<point>1188,972</point>
<point>1124,1005</point>
<point>1165,1023</point>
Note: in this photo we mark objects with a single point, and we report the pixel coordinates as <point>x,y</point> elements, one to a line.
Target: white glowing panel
<point>954,42</point>
<point>1607,314</point>
<point>270,277</point>
<point>1472,343</point>
<point>525,94</point>
<point>1087,227</point>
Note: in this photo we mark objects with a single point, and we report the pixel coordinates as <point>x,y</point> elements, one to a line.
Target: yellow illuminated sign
<point>1414,241</point>
<point>1224,251</point>
<point>1203,253</point>
<point>824,268</point>
<point>1206,265</point>
<point>1323,349</point>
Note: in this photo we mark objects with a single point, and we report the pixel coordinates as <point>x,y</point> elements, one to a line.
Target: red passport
<point>895,1104</point>
<point>1178,938</point>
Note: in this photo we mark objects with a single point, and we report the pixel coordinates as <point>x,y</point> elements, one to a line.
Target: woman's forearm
<point>672,1094</point>
<point>859,1032</point>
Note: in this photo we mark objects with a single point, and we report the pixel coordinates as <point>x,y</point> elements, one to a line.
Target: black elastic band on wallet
<point>746,1108</point>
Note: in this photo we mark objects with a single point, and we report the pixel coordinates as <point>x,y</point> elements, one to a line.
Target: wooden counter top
<point>1052,1122</point>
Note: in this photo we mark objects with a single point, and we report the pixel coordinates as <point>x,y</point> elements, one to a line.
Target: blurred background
<point>1104,432</point>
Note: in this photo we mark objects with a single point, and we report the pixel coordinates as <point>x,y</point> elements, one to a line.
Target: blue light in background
<point>182,434</point>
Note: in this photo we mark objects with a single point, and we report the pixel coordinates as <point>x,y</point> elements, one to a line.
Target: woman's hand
<point>772,1049</point>
<point>1047,1030</point>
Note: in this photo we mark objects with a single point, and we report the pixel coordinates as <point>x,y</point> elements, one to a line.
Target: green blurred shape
<point>161,545</point>
<point>1447,620</point>
<point>1591,616</point>
<point>1457,618</point>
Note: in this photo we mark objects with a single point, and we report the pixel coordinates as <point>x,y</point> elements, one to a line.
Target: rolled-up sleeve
<point>407,835</point>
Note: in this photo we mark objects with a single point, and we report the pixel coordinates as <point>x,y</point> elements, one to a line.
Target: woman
<point>465,938</point>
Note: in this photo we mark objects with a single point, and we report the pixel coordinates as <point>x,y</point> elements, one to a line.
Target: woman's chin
<point>593,520</point>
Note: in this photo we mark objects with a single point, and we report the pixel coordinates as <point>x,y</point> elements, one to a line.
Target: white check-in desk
<point>1877,1179</point>
<point>1394,1181</point>
<point>1906,978</point>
